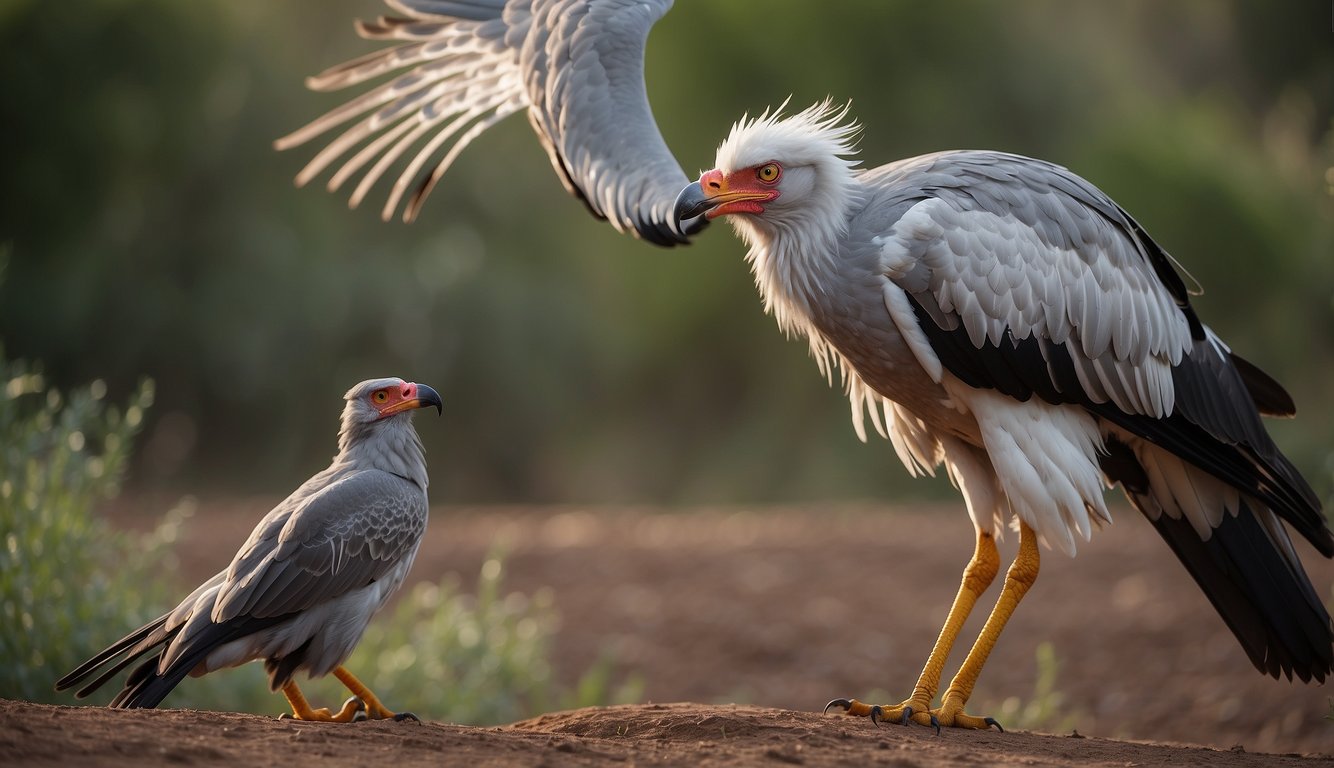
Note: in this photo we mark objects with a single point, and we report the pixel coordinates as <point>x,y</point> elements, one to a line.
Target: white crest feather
<point>816,134</point>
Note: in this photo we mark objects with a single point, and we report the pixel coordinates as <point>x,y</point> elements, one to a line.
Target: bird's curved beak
<point>716,195</point>
<point>425,398</point>
<point>692,203</point>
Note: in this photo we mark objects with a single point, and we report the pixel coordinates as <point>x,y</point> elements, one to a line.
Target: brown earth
<point>745,609</point>
<point>643,734</point>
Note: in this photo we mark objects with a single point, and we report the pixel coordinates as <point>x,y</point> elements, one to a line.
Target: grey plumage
<point>576,67</point>
<point>301,590</point>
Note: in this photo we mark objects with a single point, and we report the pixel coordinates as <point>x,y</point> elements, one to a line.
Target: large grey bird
<point>303,587</point>
<point>993,314</point>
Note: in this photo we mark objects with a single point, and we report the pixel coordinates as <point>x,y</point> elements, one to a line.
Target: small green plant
<point>478,659</point>
<point>1045,710</point>
<point>64,575</point>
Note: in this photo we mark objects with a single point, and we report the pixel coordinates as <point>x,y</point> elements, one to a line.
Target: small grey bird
<point>303,587</point>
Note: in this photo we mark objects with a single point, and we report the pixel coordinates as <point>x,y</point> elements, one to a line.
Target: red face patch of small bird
<point>394,399</point>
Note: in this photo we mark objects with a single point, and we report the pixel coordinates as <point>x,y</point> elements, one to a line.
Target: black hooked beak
<point>427,397</point>
<point>692,203</point>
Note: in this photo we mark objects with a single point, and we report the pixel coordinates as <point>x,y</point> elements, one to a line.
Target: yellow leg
<point>374,709</point>
<point>977,576</point>
<point>1023,572</point>
<point>301,709</point>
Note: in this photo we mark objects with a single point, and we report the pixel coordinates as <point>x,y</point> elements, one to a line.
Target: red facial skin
<point>391,400</point>
<point>741,191</point>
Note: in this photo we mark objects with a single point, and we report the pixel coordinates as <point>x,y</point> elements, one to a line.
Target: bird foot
<point>949,715</point>
<point>353,709</point>
<point>377,711</point>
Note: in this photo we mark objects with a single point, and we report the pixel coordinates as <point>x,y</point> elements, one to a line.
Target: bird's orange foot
<point>374,710</point>
<point>353,709</point>
<point>948,715</point>
<point>910,711</point>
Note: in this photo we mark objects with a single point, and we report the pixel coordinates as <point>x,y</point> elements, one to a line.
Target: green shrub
<point>478,659</point>
<point>64,575</point>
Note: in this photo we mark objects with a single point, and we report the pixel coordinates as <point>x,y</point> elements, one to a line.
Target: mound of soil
<point>644,734</point>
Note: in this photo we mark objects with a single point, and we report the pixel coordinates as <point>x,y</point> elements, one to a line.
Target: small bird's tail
<point>147,685</point>
<point>132,646</point>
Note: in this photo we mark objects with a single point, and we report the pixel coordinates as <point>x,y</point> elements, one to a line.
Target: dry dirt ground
<point>746,609</point>
<point>643,734</point>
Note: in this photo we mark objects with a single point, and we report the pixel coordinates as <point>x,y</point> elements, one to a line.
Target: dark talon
<point>935,724</point>
<point>907,715</point>
<point>404,716</point>
<point>844,703</point>
<point>992,721</point>
<point>876,714</point>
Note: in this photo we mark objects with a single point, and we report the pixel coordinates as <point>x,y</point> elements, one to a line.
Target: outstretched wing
<point>577,66</point>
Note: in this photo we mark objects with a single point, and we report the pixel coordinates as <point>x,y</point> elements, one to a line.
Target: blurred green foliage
<point>65,577</point>
<point>153,230</point>
<point>477,659</point>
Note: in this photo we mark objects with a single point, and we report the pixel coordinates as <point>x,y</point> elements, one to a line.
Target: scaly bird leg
<point>374,709</point>
<point>1023,572</point>
<point>301,709</point>
<point>977,576</point>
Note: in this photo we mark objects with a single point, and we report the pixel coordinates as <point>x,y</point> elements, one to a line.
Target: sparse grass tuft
<point>1045,711</point>
<point>477,659</point>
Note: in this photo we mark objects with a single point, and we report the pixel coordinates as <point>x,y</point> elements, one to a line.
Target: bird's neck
<point>390,445</point>
<point>795,258</point>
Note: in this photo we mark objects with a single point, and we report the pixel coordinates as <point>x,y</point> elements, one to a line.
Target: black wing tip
<point>669,235</point>
<point>1266,601</point>
<point>1271,399</point>
<point>130,647</point>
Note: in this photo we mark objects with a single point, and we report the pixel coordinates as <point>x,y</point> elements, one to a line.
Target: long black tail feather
<point>1254,582</point>
<point>1271,607</point>
<point>126,645</point>
<point>146,686</point>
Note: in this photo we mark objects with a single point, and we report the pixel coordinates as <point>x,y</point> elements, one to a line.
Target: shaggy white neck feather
<point>792,251</point>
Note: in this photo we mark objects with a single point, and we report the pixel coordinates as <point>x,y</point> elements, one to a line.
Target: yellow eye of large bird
<point>768,173</point>
<point>381,396</point>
